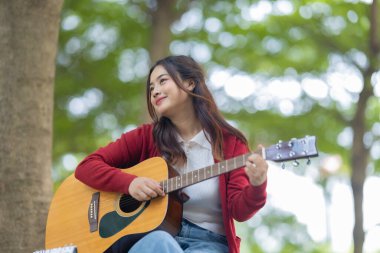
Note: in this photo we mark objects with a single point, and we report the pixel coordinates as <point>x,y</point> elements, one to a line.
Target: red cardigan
<point>240,200</point>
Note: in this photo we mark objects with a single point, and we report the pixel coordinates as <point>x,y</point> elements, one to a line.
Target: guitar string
<point>125,200</point>
<point>215,169</point>
<point>225,167</point>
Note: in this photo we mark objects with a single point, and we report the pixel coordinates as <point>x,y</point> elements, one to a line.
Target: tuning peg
<point>296,163</point>
<point>308,161</point>
<point>279,144</point>
<point>283,166</point>
<point>291,142</point>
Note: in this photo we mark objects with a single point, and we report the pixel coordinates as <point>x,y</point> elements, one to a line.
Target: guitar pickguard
<point>112,223</point>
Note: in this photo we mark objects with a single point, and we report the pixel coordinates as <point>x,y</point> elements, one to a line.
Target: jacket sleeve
<point>244,199</point>
<point>101,169</point>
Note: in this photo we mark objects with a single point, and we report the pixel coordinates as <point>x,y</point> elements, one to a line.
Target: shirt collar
<point>199,138</point>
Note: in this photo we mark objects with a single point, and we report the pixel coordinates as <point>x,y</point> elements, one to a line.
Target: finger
<point>156,187</point>
<point>254,158</point>
<point>149,192</point>
<point>251,164</point>
<point>141,196</point>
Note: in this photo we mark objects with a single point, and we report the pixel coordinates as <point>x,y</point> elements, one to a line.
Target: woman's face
<point>166,97</point>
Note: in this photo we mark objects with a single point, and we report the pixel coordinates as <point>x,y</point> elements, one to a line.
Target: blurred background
<point>277,69</point>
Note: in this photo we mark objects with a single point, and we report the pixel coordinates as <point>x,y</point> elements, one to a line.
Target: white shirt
<point>204,206</point>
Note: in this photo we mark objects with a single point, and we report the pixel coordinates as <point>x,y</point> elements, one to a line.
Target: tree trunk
<point>360,154</point>
<point>28,42</point>
<point>162,17</point>
<point>359,163</point>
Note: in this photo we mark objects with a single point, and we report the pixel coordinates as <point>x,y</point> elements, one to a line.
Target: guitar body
<point>112,215</point>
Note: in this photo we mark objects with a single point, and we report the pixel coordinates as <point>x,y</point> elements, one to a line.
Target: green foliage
<point>103,57</point>
<point>273,230</point>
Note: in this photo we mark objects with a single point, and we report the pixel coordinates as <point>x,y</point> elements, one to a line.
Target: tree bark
<point>359,163</point>
<point>360,154</point>
<point>162,17</point>
<point>28,42</point>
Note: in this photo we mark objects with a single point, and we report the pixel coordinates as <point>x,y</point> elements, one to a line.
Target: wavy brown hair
<point>183,68</point>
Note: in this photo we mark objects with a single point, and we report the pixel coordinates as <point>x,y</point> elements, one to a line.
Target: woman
<point>189,132</point>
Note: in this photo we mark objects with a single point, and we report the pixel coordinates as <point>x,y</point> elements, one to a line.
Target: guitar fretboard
<point>199,175</point>
<point>282,151</point>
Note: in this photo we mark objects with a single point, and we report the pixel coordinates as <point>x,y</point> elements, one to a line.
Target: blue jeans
<point>191,239</point>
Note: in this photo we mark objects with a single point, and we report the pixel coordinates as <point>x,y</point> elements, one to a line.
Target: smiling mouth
<point>160,100</point>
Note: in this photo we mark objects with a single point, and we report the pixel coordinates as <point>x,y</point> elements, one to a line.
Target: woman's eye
<point>162,81</point>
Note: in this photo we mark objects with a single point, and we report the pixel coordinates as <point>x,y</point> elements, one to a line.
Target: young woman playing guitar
<point>189,132</point>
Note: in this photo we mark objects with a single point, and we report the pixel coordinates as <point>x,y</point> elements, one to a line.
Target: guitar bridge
<point>93,210</point>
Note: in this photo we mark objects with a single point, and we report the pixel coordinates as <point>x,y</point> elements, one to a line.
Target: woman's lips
<point>158,101</point>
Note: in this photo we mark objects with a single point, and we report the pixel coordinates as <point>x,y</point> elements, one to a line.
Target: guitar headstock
<point>293,149</point>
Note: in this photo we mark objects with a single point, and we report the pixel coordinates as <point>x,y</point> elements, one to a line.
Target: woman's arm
<point>101,169</point>
<point>244,199</point>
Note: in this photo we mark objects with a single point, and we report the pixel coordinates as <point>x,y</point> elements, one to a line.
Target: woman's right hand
<point>143,189</point>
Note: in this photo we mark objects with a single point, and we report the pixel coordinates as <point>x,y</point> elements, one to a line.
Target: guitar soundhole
<point>128,204</point>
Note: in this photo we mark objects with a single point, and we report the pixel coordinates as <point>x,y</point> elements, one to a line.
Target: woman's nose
<point>155,92</point>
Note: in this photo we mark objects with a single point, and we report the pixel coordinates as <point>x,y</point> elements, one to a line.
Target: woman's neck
<point>188,125</point>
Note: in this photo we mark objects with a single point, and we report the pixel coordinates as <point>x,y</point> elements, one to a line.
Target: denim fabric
<point>156,242</point>
<point>191,239</point>
<point>194,239</point>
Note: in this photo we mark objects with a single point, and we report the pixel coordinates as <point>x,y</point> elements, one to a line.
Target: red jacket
<point>240,200</point>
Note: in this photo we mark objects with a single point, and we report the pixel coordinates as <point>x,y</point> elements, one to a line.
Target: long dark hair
<point>183,68</point>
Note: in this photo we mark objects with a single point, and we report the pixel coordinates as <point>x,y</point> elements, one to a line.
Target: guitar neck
<point>280,152</point>
<point>199,175</point>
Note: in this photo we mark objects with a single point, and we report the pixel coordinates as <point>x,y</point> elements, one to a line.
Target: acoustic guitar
<point>93,220</point>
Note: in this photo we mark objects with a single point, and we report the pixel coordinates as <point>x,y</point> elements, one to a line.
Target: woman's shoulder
<point>142,129</point>
<point>228,136</point>
<point>233,144</point>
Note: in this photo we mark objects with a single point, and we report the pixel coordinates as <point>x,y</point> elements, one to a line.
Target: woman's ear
<point>190,85</point>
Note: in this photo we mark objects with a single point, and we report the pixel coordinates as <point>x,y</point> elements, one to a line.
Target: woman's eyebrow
<point>158,78</point>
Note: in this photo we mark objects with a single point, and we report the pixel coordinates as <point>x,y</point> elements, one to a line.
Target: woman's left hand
<point>256,169</point>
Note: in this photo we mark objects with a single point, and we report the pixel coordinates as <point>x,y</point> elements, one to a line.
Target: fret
<point>245,158</point>
<point>172,184</point>
<point>230,165</point>
<point>168,185</point>
<point>163,186</point>
<point>215,168</point>
<point>183,180</point>
<point>208,171</point>
<point>178,184</point>
<point>223,166</point>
